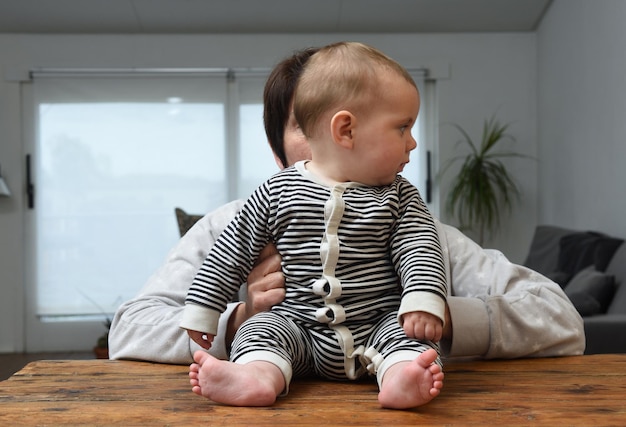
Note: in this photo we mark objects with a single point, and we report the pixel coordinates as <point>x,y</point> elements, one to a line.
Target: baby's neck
<point>321,174</point>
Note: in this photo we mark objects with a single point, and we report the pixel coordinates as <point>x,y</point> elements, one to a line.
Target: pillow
<point>589,284</point>
<point>585,304</point>
<point>584,249</point>
<point>605,249</point>
<point>576,251</point>
<point>544,248</point>
<point>185,221</point>
<point>559,277</point>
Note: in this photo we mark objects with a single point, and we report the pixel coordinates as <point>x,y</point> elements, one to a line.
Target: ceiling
<point>268,16</point>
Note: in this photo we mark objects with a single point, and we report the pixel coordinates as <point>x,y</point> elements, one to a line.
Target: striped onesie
<point>355,258</point>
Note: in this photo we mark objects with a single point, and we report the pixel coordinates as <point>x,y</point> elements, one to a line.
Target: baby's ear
<point>341,128</point>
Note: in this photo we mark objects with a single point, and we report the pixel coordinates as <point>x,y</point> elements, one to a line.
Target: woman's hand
<point>266,283</point>
<point>266,288</point>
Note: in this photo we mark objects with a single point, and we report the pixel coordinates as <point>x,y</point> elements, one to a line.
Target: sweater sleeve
<point>147,326</point>
<point>502,310</point>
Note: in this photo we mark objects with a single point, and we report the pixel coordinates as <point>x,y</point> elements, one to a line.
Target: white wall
<point>487,72</point>
<point>582,115</point>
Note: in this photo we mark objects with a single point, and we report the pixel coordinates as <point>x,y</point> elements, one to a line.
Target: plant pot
<point>101,352</point>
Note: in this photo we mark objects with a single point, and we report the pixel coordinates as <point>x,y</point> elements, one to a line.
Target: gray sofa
<point>591,268</point>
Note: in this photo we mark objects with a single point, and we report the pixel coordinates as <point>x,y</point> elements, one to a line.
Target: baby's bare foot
<point>252,384</point>
<point>194,368</point>
<point>410,384</point>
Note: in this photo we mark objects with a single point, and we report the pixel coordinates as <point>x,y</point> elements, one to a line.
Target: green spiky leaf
<point>483,190</point>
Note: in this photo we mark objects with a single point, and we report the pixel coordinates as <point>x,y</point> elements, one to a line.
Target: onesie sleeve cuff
<point>199,318</point>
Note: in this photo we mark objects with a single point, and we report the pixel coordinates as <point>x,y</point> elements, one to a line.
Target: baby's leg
<point>410,384</point>
<point>252,384</point>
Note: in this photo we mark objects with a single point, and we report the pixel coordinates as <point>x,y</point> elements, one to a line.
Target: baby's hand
<point>422,326</point>
<point>204,340</point>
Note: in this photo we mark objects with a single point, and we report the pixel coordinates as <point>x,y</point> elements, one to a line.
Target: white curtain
<point>112,155</point>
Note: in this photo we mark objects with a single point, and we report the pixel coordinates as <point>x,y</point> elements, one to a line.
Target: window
<point>112,155</point>
<point>419,171</point>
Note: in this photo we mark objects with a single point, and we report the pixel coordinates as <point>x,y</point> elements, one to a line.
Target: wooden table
<point>581,390</point>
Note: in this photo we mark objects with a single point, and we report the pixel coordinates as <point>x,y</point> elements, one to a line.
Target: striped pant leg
<point>330,361</point>
<point>389,345</point>
<point>274,338</point>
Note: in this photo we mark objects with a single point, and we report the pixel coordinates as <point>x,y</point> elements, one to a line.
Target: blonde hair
<point>344,75</point>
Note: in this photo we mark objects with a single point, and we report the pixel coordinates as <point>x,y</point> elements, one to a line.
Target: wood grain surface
<point>580,390</point>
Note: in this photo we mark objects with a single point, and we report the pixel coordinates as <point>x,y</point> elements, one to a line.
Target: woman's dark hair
<point>277,97</point>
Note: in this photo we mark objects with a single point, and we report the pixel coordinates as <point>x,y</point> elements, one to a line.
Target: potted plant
<point>483,187</point>
<point>101,350</point>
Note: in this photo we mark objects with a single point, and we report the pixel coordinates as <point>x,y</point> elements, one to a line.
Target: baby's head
<point>342,76</point>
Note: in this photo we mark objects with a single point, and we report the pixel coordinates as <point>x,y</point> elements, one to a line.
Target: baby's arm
<point>422,326</point>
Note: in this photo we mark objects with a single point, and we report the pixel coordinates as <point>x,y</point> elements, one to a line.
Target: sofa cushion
<point>591,291</point>
<point>618,303</point>
<point>585,304</point>
<point>617,268</point>
<point>559,277</point>
<point>544,249</point>
<point>605,249</point>
<point>577,251</point>
<point>582,249</point>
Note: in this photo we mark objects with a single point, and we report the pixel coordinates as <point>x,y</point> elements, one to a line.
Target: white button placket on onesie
<point>329,286</point>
